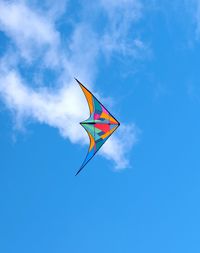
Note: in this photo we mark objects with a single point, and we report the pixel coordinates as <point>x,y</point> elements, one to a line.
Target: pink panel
<point>96,116</point>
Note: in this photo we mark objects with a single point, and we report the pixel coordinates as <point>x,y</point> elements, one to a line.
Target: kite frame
<point>118,124</point>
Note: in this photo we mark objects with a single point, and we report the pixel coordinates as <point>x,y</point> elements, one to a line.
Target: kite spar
<point>99,126</point>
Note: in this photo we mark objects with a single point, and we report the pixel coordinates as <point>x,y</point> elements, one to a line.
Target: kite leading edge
<point>99,126</point>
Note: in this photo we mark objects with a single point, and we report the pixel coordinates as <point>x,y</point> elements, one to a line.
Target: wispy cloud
<point>189,17</point>
<point>121,16</point>
<point>40,41</point>
<point>29,30</point>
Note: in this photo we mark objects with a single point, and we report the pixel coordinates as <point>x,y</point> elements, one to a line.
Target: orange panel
<point>88,96</point>
<point>92,142</point>
<point>105,116</point>
<point>113,121</point>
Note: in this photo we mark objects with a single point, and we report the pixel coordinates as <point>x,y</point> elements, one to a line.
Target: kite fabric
<point>99,126</point>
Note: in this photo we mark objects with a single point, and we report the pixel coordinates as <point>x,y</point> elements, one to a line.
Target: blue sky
<point>140,194</point>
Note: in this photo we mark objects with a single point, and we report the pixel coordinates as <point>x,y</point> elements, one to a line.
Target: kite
<point>99,126</point>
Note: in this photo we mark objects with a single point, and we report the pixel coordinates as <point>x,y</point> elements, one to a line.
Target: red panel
<point>103,127</point>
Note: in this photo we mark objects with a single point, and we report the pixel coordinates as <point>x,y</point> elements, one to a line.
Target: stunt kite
<point>99,126</point>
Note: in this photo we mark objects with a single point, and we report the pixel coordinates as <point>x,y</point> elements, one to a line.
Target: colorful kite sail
<point>100,125</point>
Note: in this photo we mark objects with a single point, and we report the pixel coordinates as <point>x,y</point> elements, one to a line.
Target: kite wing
<point>100,125</point>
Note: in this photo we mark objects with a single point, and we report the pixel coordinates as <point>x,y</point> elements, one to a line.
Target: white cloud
<point>60,110</point>
<point>29,30</point>
<point>39,39</point>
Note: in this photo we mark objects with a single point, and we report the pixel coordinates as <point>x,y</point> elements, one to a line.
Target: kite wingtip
<point>77,80</point>
<point>77,173</point>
